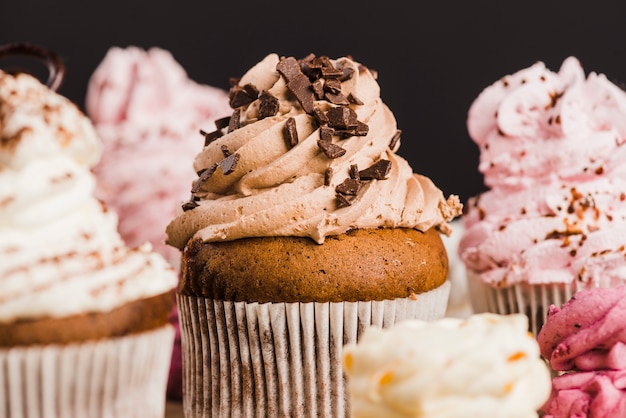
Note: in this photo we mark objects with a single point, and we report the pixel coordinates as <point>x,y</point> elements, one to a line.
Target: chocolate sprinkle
<point>229,164</point>
<point>395,138</point>
<point>290,132</point>
<point>377,171</point>
<point>268,106</point>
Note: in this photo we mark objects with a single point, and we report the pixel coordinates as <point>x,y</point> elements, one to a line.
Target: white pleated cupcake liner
<point>280,359</point>
<point>121,377</point>
<point>533,300</point>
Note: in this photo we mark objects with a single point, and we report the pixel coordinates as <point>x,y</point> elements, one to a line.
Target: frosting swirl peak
<point>310,150</point>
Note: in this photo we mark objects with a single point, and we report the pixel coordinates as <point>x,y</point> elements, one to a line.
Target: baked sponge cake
<point>303,228</point>
<point>84,326</point>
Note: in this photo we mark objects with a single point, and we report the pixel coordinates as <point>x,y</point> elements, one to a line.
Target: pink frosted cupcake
<point>553,220</point>
<point>149,114</point>
<point>585,344</point>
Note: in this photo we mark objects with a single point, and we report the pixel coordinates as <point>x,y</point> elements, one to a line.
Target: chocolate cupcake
<point>304,227</point>
<point>84,326</point>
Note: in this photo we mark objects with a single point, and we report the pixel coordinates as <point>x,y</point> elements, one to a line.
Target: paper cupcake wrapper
<point>531,300</point>
<point>279,359</point>
<point>114,378</point>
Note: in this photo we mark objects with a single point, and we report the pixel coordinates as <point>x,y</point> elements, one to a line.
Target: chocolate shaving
<point>251,91</point>
<point>347,73</point>
<point>326,133</point>
<point>320,116</point>
<point>234,122</point>
<point>332,86</point>
<point>210,136</point>
<point>377,171</point>
<point>239,96</point>
<point>229,164</point>
<point>354,172</point>
<point>354,100</point>
<point>361,129</point>
<point>331,72</point>
<point>349,187</point>
<point>342,201</point>
<point>328,175</point>
<point>203,176</point>
<point>395,138</point>
<point>189,205</point>
<point>300,86</point>
<point>341,117</point>
<point>225,151</point>
<point>290,132</point>
<point>331,150</point>
<point>338,99</point>
<point>288,68</point>
<point>318,89</point>
<point>222,123</point>
<point>268,105</point>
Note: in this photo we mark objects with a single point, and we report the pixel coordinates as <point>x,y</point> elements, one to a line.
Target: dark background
<point>433,58</point>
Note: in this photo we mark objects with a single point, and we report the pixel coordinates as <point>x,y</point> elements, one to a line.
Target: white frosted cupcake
<point>84,326</point>
<point>487,365</point>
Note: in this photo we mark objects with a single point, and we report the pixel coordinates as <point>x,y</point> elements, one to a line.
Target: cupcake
<point>584,342</point>
<point>552,221</point>
<point>487,365</point>
<point>303,228</point>
<point>84,326</point>
<point>145,108</point>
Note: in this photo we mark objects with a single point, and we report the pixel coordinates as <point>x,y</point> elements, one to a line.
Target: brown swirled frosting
<point>309,151</point>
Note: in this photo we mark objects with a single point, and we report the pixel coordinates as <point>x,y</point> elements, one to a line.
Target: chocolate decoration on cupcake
<point>56,67</point>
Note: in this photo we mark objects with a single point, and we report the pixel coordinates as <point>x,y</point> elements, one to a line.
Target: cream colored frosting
<point>278,190</point>
<point>60,253</point>
<point>487,365</point>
